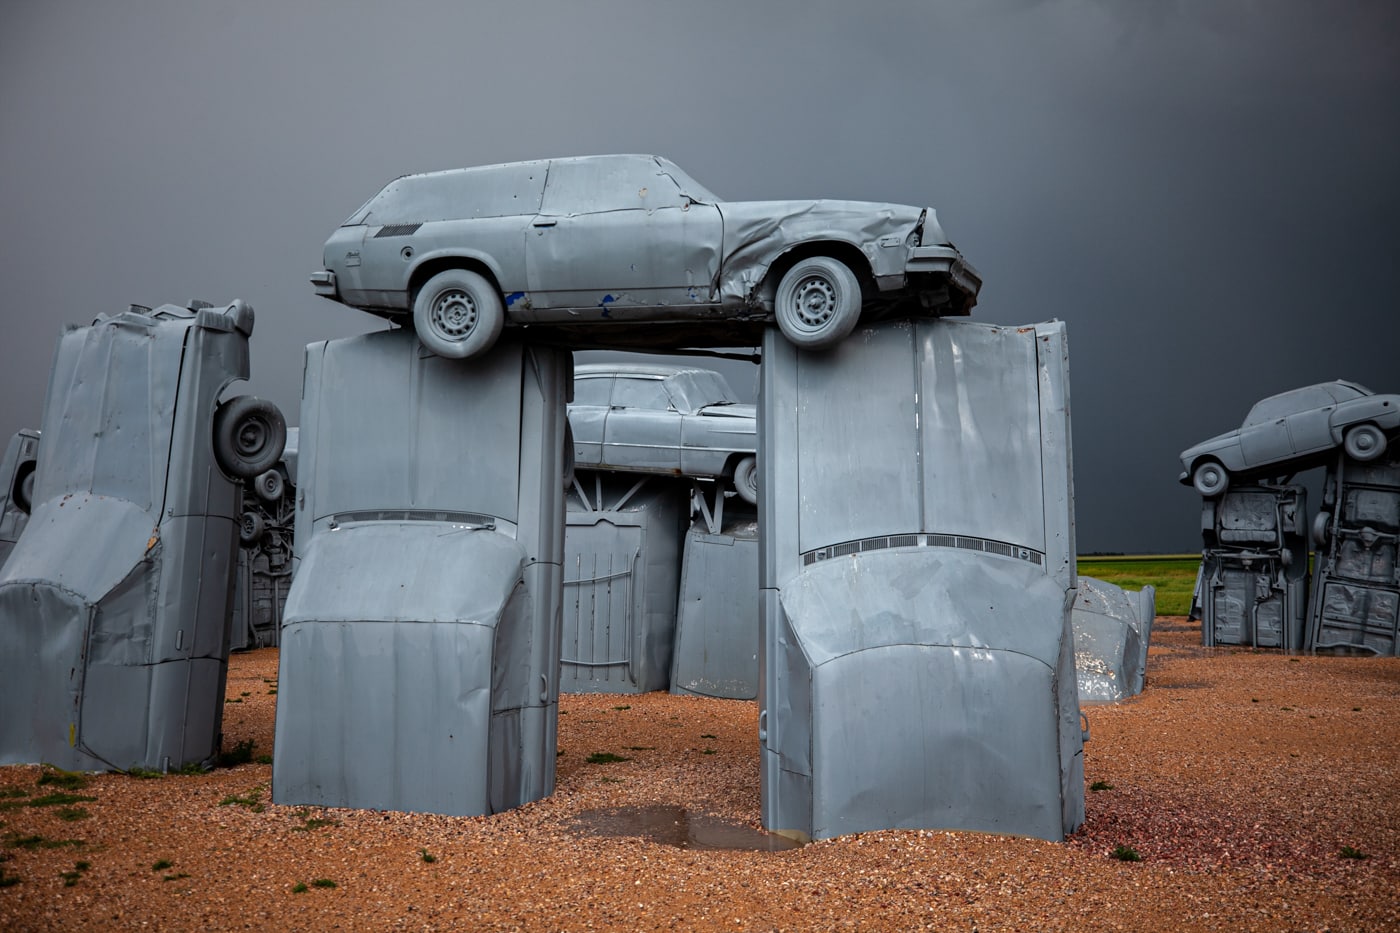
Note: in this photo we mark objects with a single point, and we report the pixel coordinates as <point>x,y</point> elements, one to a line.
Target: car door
<point>588,412</point>
<point>642,430</point>
<point>617,236</point>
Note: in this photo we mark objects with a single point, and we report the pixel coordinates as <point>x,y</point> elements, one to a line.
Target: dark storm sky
<point>1206,192</point>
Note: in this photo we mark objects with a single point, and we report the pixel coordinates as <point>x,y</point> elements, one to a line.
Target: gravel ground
<point>1238,777</point>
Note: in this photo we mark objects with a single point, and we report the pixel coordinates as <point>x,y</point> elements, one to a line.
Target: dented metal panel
<point>621,566</point>
<point>115,602</point>
<point>1356,576</point>
<point>717,624</point>
<point>420,643</point>
<point>1112,627</point>
<point>917,579</point>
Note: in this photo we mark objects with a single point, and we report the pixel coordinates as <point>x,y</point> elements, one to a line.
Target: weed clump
<point>1349,852</point>
<point>323,883</point>
<point>1100,785</point>
<point>427,856</point>
<point>1125,853</point>
<point>606,758</point>
<point>240,754</point>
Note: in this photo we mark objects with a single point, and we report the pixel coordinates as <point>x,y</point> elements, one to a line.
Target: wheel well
<point>433,266</point>
<point>854,259</point>
<point>732,463</point>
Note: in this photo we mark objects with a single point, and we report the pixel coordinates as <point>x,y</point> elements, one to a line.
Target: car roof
<point>658,370</point>
<point>1321,395</point>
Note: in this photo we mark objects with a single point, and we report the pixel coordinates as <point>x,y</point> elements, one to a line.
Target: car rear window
<point>489,191</point>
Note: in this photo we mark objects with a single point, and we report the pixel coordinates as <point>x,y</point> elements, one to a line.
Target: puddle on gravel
<point>676,826</point>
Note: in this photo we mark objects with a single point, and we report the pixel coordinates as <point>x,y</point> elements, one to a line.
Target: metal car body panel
<point>1112,629</point>
<point>115,602</point>
<point>1356,575</point>
<point>612,239</point>
<point>717,623</point>
<point>622,547</point>
<point>1254,564</point>
<point>917,575</point>
<point>658,419</point>
<point>420,646</point>
<point>16,487</point>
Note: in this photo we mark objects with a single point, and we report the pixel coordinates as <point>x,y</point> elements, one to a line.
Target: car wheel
<point>1321,529</point>
<point>249,434</point>
<point>817,303</point>
<point>270,485</point>
<point>24,488</point>
<point>1364,442</point>
<point>568,455</point>
<point>458,314</point>
<point>251,528</point>
<point>746,480</point>
<point>1210,479</point>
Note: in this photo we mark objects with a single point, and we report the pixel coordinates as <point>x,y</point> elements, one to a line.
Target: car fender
<point>438,259</point>
<point>1381,410</point>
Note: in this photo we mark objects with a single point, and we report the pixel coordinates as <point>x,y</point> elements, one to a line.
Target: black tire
<point>1364,442</point>
<point>270,485</point>
<point>251,528</point>
<point>1210,479</point>
<point>1321,529</point>
<point>23,489</point>
<point>568,455</point>
<point>817,303</point>
<point>249,434</point>
<point>458,314</point>
<point>746,480</point>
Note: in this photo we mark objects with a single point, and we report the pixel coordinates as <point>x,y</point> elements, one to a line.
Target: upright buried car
<point>1295,429</point>
<point>663,419</point>
<point>573,243</point>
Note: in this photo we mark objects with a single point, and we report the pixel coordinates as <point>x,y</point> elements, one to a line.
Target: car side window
<point>593,390</point>
<point>589,186</point>
<point>640,393</point>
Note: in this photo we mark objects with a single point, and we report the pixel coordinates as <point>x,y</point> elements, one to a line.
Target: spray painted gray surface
<point>265,537</point>
<point>717,625</point>
<point>1254,567</point>
<point>1356,579</point>
<point>116,600</point>
<point>622,550</point>
<point>589,246</point>
<point>671,420</point>
<point>1112,629</point>
<point>16,487</point>
<point>917,578</point>
<point>420,644</point>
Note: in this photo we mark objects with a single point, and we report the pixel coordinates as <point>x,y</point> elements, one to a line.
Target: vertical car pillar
<point>16,487</point>
<point>115,603</point>
<point>916,578</point>
<point>420,643</point>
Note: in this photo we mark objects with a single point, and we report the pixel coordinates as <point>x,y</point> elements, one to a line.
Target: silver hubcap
<point>454,314</point>
<point>815,300</point>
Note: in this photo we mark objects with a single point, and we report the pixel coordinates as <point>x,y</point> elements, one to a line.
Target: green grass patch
<point>606,758</point>
<point>310,823</point>
<point>7,881</point>
<point>143,774</point>
<point>300,888</point>
<point>263,759</point>
<point>323,883</point>
<point>72,814</point>
<point>251,800</point>
<point>162,865</point>
<point>1101,785</point>
<point>1174,576</point>
<point>9,793</point>
<point>708,751</point>
<point>57,777</point>
<point>16,841</point>
<point>1125,853</point>
<point>427,856</point>
<point>1349,852</point>
<point>58,799</point>
<point>175,877</point>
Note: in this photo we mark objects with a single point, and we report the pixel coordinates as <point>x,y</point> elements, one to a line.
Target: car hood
<point>1221,442</point>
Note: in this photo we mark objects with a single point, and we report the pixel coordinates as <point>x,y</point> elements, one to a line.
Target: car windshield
<point>694,389</point>
<point>689,186</point>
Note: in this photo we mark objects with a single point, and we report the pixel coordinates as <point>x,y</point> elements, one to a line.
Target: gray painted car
<point>570,244</point>
<point>663,419</point>
<point>1295,429</point>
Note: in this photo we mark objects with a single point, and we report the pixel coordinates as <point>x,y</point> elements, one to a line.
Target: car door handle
<point>546,222</point>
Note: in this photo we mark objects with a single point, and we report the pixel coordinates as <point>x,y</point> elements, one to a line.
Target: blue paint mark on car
<point>513,297</point>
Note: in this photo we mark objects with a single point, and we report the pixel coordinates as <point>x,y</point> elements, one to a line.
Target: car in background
<point>1294,429</point>
<point>591,242</point>
<point>663,419</point>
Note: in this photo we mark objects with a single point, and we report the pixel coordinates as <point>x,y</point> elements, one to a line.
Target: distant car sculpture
<point>663,419</point>
<point>574,243</point>
<point>1291,430</point>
